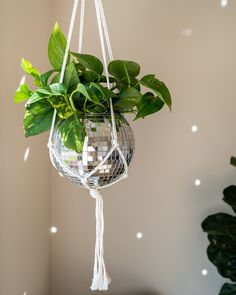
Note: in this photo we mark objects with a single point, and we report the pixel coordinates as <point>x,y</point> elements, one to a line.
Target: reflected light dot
<point>25,293</point>
<point>187,32</point>
<point>194,128</point>
<point>197,182</point>
<point>53,229</point>
<point>26,154</point>
<point>204,272</point>
<point>139,235</point>
<point>224,3</point>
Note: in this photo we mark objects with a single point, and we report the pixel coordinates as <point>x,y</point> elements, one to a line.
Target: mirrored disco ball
<point>97,144</point>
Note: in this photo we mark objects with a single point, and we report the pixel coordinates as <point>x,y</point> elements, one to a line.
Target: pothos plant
<point>84,91</point>
<point>221,230</point>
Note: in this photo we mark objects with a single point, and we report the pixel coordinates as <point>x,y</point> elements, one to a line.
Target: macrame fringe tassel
<point>101,279</point>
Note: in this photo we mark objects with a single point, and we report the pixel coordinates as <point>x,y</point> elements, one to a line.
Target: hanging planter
<point>82,101</point>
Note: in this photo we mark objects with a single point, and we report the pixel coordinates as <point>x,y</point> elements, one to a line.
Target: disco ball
<point>97,143</point>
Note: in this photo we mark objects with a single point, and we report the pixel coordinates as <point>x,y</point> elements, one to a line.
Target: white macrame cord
<point>101,279</point>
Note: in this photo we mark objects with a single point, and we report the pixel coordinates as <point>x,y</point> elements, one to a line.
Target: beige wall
<point>24,186</point>
<point>159,198</point>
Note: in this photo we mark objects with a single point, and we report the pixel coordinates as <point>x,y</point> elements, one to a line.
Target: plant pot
<point>97,144</point>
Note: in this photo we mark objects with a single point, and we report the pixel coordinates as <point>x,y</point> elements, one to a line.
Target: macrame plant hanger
<point>101,279</point>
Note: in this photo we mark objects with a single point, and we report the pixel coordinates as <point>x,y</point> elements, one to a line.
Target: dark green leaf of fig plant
<point>85,91</point>
<point>221,230</point>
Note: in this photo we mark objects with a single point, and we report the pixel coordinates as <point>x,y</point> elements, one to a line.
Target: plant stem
<point>72,103</point>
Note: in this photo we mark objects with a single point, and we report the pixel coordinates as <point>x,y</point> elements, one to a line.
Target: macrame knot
<point>84,181</point>
<point>95,193</point>
<point>115,142</point>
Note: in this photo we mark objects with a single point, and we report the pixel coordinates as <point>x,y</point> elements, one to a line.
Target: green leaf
<point>94,97</point>
<point>56,48</point>
<point>71,78</point>
<point>45,76</point>
<point>38,118</point>
<point>22,93</point>
<point>217,223</point>
<point>230,196</point>
<point>124,83</point>
<point>64,110</point>
<point>90,62</point>
<point>225,261</point>
<point>222,242</point>
<point>58,88</point>
<point>53,89</point>
<point>36,96</point>
<point>72,133</point>
<point>158,87</point>
<point>129,98</point>
<point>56,78</point>
<point>233,161</point>
<point>148,105</point>
<point>29,69</point>
<point>104,91</point>
<point>228,289</point>
<point>81,89</point>
<point>122,68</point>
<point>89,76</point>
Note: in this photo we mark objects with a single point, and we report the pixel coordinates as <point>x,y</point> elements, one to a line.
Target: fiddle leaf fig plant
<point>221,230</point>
<point>84,91</point>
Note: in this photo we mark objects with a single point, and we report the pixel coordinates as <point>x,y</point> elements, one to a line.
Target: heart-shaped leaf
<point>72,133</point>
<point>29,69</point>
<point>38,118</point>
<point>71,78</point>
<point>56,48</point>
<point>158,87</point>
<point>123,68</point>
<point>59,103</point>
<point>22,93</point>
<point>90,62</point>
<point>148,105</point>
<point>128,99</point>
<point>53,89</point>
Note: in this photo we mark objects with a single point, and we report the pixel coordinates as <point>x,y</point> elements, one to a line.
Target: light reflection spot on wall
<point>224,3</point>
<point>187,32</point>
<point>53,229</point>
<point>139,235</point>
<point>194,128</point>
<point>26,154</point>
<point>197,182</point>
<point>204,272</point>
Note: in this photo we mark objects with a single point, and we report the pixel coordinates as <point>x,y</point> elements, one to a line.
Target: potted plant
<point>82,100</point>
<point>221,230</point>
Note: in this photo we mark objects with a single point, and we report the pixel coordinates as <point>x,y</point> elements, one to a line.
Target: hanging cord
<point>102,27</point>
<point>81,26</point>
<point>101,35</point>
